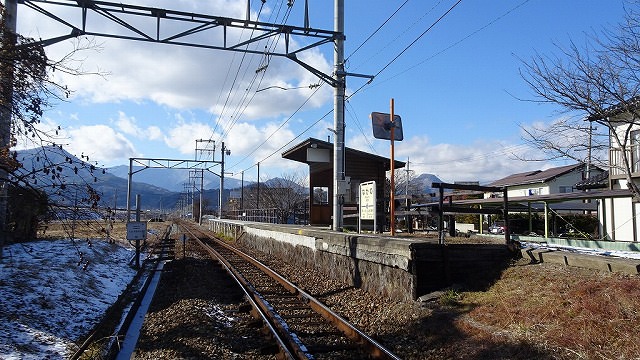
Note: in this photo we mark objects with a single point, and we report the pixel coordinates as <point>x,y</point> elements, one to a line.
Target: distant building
<point>558,180</point>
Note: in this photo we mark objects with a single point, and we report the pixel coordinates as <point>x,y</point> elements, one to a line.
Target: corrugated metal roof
<point>622,107</point>
<point>538,176</point>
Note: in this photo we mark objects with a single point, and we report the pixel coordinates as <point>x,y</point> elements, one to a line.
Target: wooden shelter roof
<point>299,153</point>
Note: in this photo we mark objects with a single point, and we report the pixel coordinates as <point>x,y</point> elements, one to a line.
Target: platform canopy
<point>315,150</point>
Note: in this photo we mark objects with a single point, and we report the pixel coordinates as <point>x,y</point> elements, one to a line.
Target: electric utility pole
<point>224,152</point>
<point>8,42</point>
<point>204,151</point>
<point>338,117</point>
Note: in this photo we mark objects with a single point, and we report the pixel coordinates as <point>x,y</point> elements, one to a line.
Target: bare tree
<point>287,193</point>
<point>406,183</point>
<point>568,138</point>
<point>51,175</point>
<point>599,83</point>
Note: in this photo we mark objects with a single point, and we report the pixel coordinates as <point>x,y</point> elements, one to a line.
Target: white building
<point>619,216</point>
<point>558,180</point>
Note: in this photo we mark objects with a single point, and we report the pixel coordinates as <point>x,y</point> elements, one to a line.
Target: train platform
<point>400,267</point>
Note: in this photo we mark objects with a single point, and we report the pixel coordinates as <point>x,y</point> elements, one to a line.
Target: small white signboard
<point>367,206</point>
<point>136,230</point>
<point>368,200</point>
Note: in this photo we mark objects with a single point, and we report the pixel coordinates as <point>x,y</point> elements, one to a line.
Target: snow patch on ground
<point>54,292</point>
<point>582,250</point>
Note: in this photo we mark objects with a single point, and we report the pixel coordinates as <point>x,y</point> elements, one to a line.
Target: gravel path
<point>199,312</point>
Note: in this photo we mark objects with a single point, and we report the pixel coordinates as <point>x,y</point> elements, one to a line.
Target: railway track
<point>302,326</point>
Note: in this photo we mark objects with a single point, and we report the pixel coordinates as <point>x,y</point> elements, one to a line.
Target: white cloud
<point>154,133</point>
<point>481,161</point>
<point>182,77</point>
<point>101,143</point>
<point>127,124</point>
<point>245,137</point>
<point>183,136</point>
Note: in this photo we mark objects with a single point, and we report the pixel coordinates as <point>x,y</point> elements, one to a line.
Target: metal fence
<point>270,215</point>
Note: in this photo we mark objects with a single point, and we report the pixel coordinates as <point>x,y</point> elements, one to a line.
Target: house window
<point>565,189</point>
<point>635,151</point>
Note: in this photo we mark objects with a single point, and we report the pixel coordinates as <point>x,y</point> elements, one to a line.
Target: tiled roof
<point>537,176</point>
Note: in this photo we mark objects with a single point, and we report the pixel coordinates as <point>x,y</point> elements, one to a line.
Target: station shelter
<point>359,167</point>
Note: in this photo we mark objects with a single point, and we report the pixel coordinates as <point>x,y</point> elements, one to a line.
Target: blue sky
<point>457,88</point>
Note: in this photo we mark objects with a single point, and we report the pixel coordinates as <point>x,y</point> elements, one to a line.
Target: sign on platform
<point>368,200</point>
<point>136,230</point>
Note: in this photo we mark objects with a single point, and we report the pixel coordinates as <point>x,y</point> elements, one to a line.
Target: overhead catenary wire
<point>381,70</point>
<point>231,89</point>
<point>280,127</point>
<point>217,123</point>
<point>242,105</point>
<point>384,68</point>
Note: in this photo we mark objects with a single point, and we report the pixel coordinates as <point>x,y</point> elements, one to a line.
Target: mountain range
<point>159,188</point>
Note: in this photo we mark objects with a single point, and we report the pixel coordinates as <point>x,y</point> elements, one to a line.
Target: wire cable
<point>418,38</point>
<point>280,127</point>
<point>240,108</point>
<point>380,71</point>
<point>455,43</point>
<point>376,31</point>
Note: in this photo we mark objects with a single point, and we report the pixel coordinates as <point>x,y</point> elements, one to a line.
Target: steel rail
<point>286,353</point>
<point>375,349</point>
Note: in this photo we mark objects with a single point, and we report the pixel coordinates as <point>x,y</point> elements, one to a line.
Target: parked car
<point>497,227</point>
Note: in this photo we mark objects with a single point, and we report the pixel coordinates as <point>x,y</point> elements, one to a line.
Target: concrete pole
<point>201,196</point>
<point>129,185</point>
<point>338,116</point>
<point>11,9</point>
<point>221,182</point>
<point>242,192</point>
<point>138,205</point>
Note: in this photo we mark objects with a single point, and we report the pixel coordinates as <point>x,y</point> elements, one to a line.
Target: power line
<point>456,43</point>
<point>418,38</point>
<point>263,68</point>
<point>280,127</point>
<point>354,116</point>
<point>378,29</point>
<point>297,110</point>
<point>290,141</point>
<point>234,80</point>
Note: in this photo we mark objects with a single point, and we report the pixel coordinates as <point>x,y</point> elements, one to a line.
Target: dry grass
<point>92,229</point>
<point>577,312</point>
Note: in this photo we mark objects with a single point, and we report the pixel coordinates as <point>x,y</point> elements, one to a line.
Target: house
<point>619,216</point>
<point>558,180</point>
